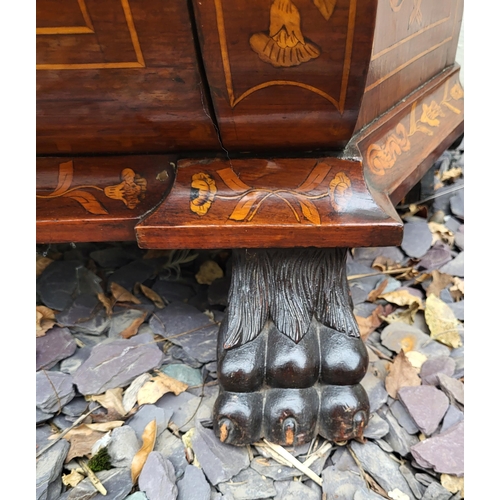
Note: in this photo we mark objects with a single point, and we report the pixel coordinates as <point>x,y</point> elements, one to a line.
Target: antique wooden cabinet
<point>290,127</point>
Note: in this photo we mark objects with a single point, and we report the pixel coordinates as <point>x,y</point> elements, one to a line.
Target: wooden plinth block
<point>97,199</point>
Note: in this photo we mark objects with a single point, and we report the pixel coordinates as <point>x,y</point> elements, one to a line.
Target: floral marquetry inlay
<point>382,157</point>
<point>247,201</point>
<point>130,191</point>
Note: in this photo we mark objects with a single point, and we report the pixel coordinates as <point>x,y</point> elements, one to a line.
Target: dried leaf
<point>73,478</point>
<point>451,174</point>
<point>132,329</point>
<point>457,290</point>
<point>209,272</point>
<point>402,298</point>
<point>244,205</point>
<point>417,359</point>
<point>88,201</point>
<point>159,385</point>
<point>453,484</point>
<point>441,233</point>
<point>316,177</point>
<point>120,294</point>
<point>111,399</point>
<point>152,296</point>
<point>45,320</point>
<point>401,374</point>
<point>403,315</point>
<point>326,7</point>
<point>309,211</point>
<point>439,282</point>
<point>106,302</point>
<point>369,324</point>
<point>442,322</point>
<point>232,181</point>
<point>42,263</point>
<point>130,395</point>
<point>375,294</point>
<point>382,263</point>
<point>105,426</point>
<point>148,443</point>
<point>81,440</point>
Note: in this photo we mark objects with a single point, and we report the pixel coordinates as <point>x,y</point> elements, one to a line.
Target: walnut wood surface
<point>413,42</point>
<point>119,76</point>
<point>97,199</point>
<point>305,95</point>
<point>321,202</point>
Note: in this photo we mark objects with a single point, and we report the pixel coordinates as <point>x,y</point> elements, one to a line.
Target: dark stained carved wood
<point>286,307</point>
<point>97,199</point>
<point>119,76</point>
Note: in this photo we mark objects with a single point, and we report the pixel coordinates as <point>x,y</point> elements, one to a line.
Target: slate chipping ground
<point>103,394</point>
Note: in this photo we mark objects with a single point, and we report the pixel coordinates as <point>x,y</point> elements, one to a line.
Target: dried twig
<point>65,431</point>
<point>367,275</point>
<point>93,478</point>
<point>295,463</point>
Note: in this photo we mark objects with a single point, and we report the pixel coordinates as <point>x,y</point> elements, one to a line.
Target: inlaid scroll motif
<point>416,14</point>
<point>383,157</point>
<point>249,200</point>
<point>284,45</point>
<point>130,191</point>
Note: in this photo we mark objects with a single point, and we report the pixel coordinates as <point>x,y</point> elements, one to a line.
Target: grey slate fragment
<point>458,356</point>
<point>384,445</point>
<point>123,446</point>
<point>342,461</point>
<point>48,471</point>
<point>426,404</point>
<point>43,432</point>
<point>458,309</point>
<point>138,495</point>
<point>414,485</point>
<point>248,485</point>
<point>179,355</point>
<point>444,453</point>
<point>436,492</point>
<point>432,367</point>
<point>396,335</point>
<point>157,478</point>
<point>453,388</point>
<point>218,291</point>
<point>57,344</point>
<point>186,374</point>
<point>424,479</point>
<point>186,409</point>
<point>145,414</point>
<point>342,485</point>
<point>457,204</point>
<point>293,490</point>
<point>193,485</point>
<point>417,238</point>
<point>118,484</point>
<point>57,284</point>
<point>117,363</point>
<point>452,417</point>
<point>381,467</point>
<point>376,428</point>
<point>72,363</point>
<point>122,320</point>
<point>403,417</point>
<point>96,325</point>
<point>459,238</point>
<point>437,256</point>
<point>81,309</point>
<point>397,437</point>
<point>201,341</point>
<point>114,257</point>
<point>366,255</point>
<point>137,271</point>
<point>270,468</point>
<point>53,394</point>
<point>170,291</point>
<point>75,407</point>
<point>42,416</point>
<point>455,267</point>
<point>375,389</point>
<point>172,448</point>
<point>219,461</point>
